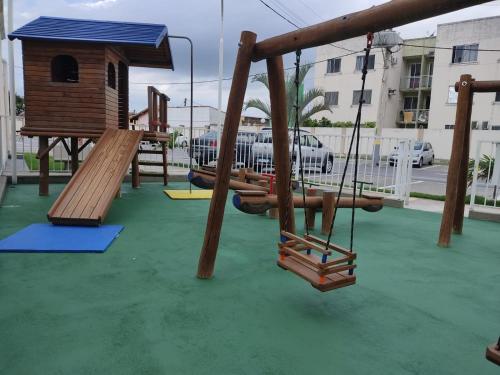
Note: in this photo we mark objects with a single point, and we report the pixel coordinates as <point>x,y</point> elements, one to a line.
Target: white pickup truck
<point>315,155</point>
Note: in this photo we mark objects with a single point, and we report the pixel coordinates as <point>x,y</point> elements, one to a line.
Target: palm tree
<point>306,106</point>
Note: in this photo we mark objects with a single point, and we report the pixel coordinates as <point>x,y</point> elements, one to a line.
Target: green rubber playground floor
<point>139,309</point>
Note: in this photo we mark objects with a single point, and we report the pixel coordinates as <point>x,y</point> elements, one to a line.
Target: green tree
<point>306,106</point>
<point>19,105</point>
<point>485,168</point>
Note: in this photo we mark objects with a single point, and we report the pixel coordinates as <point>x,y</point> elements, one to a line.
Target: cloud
<point>98,4</point>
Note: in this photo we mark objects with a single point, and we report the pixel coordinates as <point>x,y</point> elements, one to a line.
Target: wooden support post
<point>225,160</point>
<point>165,163</point>
<point>242,175</point>
<point>135,171</point>
<point>262,183</point>
<point>281,153</point>
<point>74,155</point>
<point>310,212</point>
<point>43,185</point>
<point>328,209</point>
<point>458,218</point>
<point>274,213</point>
<point>457,151</point>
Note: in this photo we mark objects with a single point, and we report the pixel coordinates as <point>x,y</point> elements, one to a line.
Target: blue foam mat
<point>48,238</point>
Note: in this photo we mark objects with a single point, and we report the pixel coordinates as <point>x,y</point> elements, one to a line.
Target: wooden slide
<point>87,197</point>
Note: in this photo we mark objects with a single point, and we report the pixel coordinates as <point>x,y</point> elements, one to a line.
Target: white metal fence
<point>384,163</point>
<point>485,189</point>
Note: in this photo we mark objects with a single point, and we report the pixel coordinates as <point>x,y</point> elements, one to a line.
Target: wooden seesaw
<point>258,202</point>
<point>242,179</point>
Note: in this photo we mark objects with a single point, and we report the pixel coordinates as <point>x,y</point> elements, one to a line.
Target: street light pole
<point>221,73</point>
<point>190,104</point>
<point>12,92</point>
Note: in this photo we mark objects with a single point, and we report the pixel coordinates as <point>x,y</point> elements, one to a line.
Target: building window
<point>64,68</point>
<point>111,76</point>
<point>333,65</point>
<point>450,127</point>
<point>484,125</point>
<point>452,95</point>
<point>356,95</point>
<point>332,98</point>
<point>410,103</point>
<point>360,61</point>
<point>495,127</point>
<point>464,53</point>
<point>497,97</point>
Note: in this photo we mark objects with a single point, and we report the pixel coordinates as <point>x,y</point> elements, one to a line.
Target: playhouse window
<point>111,76</point>
<point>64,69</point>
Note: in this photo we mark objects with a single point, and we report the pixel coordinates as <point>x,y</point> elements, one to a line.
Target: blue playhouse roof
<point>125,34</point>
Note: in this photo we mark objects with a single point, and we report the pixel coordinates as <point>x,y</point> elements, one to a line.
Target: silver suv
<point>315,155</point>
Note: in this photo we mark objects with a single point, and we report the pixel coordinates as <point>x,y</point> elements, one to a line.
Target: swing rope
<point>355,135</point>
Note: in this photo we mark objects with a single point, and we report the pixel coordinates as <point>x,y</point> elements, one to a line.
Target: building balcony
<point>415,83</point>
<point>413,118</point>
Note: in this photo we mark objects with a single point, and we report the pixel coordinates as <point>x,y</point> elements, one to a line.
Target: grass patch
<point>478,200</point>
<point>34,164</point>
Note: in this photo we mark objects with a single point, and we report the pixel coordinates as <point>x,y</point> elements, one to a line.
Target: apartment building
<point>412,85</point>
<point>470,41</point>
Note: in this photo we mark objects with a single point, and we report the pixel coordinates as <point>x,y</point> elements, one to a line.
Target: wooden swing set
<point>295,252</point>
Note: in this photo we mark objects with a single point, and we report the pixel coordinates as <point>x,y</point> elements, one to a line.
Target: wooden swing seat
<point>493,353</point>
<point>332,274</point>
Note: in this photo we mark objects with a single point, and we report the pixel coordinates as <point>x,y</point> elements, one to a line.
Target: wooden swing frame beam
<point>391,14</point>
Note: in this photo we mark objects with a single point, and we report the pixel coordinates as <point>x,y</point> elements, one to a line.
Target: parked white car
<point>315,155</point>
<point>422,154</point>
<point>181,140</point>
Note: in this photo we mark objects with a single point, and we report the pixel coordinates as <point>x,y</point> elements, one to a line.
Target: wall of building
<point>348,80</point>
<point>485,32</point>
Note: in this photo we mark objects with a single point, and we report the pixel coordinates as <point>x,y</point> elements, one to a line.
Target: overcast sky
<point>200,20</point>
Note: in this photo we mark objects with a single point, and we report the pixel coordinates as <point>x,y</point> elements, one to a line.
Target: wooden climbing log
<point>205,179</point>
<point>385,16</point>
<point>281,153</point>
<point>457,153</point>
<point>224,162</point>
<point>252,203</point>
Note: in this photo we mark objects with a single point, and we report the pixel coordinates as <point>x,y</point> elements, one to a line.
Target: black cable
<point>297,26</point>
<point>450,48</point>
<point>250,76</point>
<point>355,134</point>
<point>297,128</point>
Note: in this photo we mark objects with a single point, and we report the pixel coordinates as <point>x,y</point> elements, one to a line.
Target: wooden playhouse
<point>76,79</point>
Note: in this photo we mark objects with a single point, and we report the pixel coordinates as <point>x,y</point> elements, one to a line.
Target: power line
<point>450,48</point>
<point>250,76</point>
<point>295,25</point>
